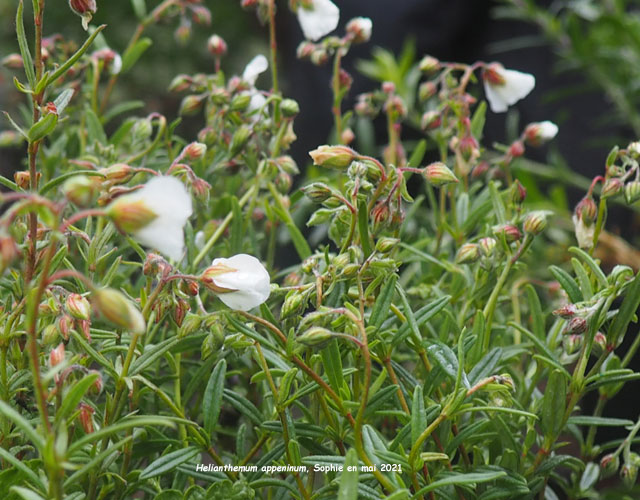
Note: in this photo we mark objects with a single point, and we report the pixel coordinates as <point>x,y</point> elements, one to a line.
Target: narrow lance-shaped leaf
<point>212,399</point>
<point>348,489</point>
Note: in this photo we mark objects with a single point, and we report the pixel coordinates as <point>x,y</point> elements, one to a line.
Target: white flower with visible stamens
<point>319,20</point>
<point>155,214</point>
<point>504,87</point>
<point>241,281</point>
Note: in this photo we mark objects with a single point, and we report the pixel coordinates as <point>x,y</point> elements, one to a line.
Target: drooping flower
<point>258,65</point>
<point>504,87</point>
<point>241,281</point>
<point>85,9</point>
<point>319,20</point>
<point>155,214</point>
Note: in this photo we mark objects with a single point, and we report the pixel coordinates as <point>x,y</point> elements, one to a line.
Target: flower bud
<point>190,324</point>
<point>629,474</point>
<point>427,90</point>
<point>567,311</point>
<point>78,306</point>
<point>430,120</point>
<point>535,222</point>
<point>65,324</point>
<point>84,325</point>
<point>86,417</point>
<point>81,190</point>
<point>572,343</point>
<point>576,326</point>
<point>118,172</point>
<point>586,210</point>
<point>13,61</point>
<point>632,192</point>
<point>480,169</point>
<point>518,193</point>
<point>190,105</point>
<point>201,15</point>
<point>130,215</point>
<point>85,9</point>
<point>600,342</point>
<point>429,64</point>
<point>116,308</point>
<point>609,465</point>
<point>539,133</point>
<point>468,147</point>
<point>292,304</point>
<point>289,108</point>
<point>511,233</point>
<point>634,149</point>
<point>347,136</point>
<point>487,246</point>
<point>180,83</point>
<point>180,309</point>
<point>195,151</point>
<point>611,187</point>
<point>216,46</point>
<point>516,149</point>
<point>240,102</point>
<point>9,251</point>
<point>239,139</point>
<point>339,157</point>
<point>316,336</point>
<point>56,356</point>
<point>50,334</point>
<point>360,29</point>
<point>439,174</point>
<point>385,245</point>
<point>22,179</point>
<point>283,182</point>
<point>468,253</point>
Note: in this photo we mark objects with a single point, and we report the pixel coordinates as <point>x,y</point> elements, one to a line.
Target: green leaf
<point>553,404</point>
<point>447,360</point>
<point>244,406</point>
<point>43,127</point>
<point>56,181</point>
<point>26,493</point>
<point>169,462</point>
<point>418,415</point>
<point>626,312</point>
<point>98,459</point>
<point>583,278</point>
<point>140,8</point>
<point>383,301</point>
<point>151,354</point>
<point>299,241</point>
<point>380,398</point>
<point>592,264</point>
<point>589,476</point>
<point>77,55</point>
<point>212,398</point>
<point>599,421</point>
<point>460,479</point>
<point>348,489</point>
<point>133,53</point>
<point>478,120</point>
<point>22,424</point>
<point>20,465</point>
<point>498,205</point>
<point>95,132</point>
<point>63,100</point>
<point>363,228</point>
<point>485,366</point>
<point>567,283</point>
<point>74,395</point>
<point>418,154</point>
<point>24,47</point>
<point>332,363</point>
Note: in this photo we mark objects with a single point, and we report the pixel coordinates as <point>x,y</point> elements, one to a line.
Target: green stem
<point>337,95</point>
<point>602,212</point>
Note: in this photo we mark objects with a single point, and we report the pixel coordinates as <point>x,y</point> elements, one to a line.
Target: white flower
<point>548,130</point>
<point>241,281</point>
<point>155,214</point>
<point>584,233</point>
<point>539,133</point>
<point>321,19</point>
<point>360,28</point>
<point>505,87</point>
<point>255,68</point>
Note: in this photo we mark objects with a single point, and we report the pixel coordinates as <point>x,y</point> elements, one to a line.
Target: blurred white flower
<point>539,133</point>
<point>584,232</point>
<point>255,68</point>
<point>504,87</point>
<point>155,214</point>
<point>321,19</point>
<point>241,281</point>
<point>360,28</point>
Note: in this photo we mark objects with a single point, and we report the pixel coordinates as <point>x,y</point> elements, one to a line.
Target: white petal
<point>320,20</point>
<point>250,280</point>
<point>548,130</point>
<point>517,85</point>
<point>584,233</point>
<point>199,240</point>
<point>170,201</point>
<point>256,66</point>
<point>257,101</point>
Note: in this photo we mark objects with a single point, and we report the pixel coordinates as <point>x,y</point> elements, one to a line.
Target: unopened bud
<point>385,245</point>
<point>600,342</point>
<point>201,15</point>
<point>468,253</point>
<point>634,149</point>
<point>50,334</point>
<point>116,308</point>
<point>539,133</point>
<point>438,174</point>
<point>78,306</point>
<point>195,151</point>
<point>611,187</point>
<point>292,304</point>
<point>566,312</point>
<point>22,179</point>
<point>572,343</point>
<point>429,64</point>
<point>535,222</point>
<point>586,210</point>
<point>315,336</point>
<point>427,90</point>
<point>56,356</point>
<point>511,233</point>
<point>632,192</point>
<point>180,83</point>
<point>629,475</point>
<point>487,246</point>
<point>13,61</point>
<point>190,105</point>
<point>609,465</point>
<point>516,149</point>
<point>339,157</point>
<point>347,136</point>
<point>289,108</point>
<point>239,139</point>
<point>81,190</point>
<point>576,326</point>
<point>283,182</point>
<point>180,310</point>
<point>518,193</point>
<point>240,102</point>
<point>360,29</point>
<point>86,417</point>
<point>119,172</point>
<point>85,9</point>
<point>430,120</point>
